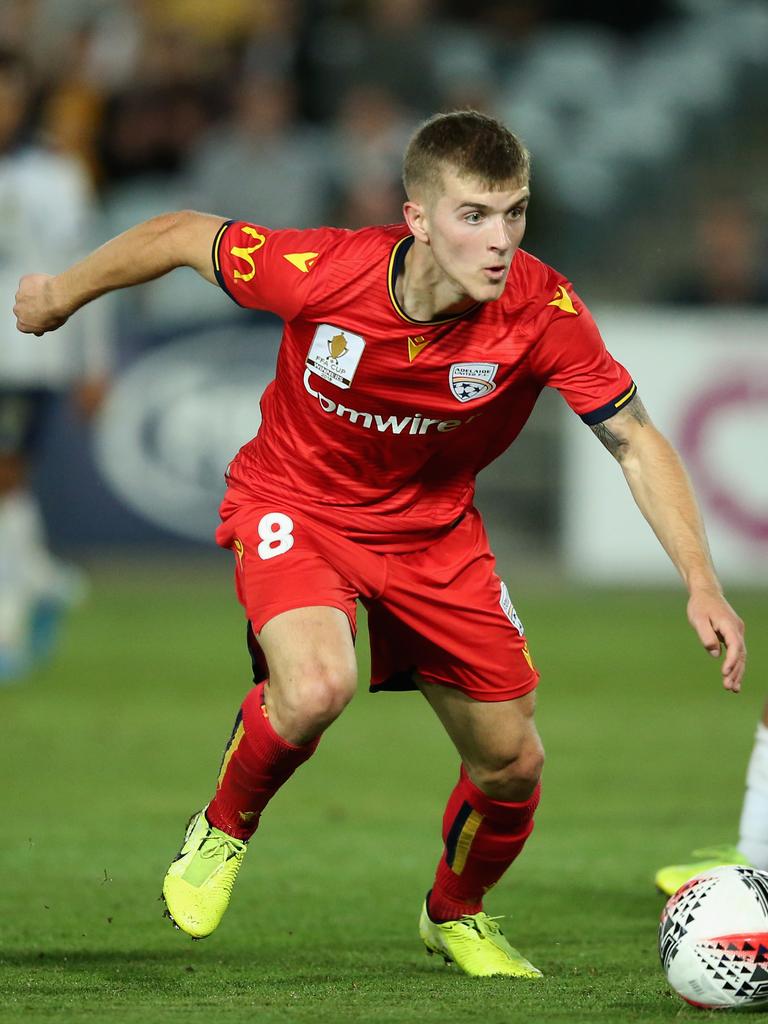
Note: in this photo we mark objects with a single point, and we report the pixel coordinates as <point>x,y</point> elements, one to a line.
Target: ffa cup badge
<point>472,380</point>
<point>334,354</point>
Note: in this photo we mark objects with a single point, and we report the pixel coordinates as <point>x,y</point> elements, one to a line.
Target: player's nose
<point>499,240</point>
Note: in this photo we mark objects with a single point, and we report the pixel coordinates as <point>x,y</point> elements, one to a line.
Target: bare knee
<point>12,472</point>
<point>303,705</point>
<point>510,777</point>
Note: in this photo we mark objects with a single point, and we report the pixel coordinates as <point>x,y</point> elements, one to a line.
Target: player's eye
<point>473,217</point>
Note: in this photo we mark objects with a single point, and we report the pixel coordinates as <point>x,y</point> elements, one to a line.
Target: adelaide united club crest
<point>469,381</point>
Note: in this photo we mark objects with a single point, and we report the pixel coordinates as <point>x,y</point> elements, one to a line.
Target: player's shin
<point>482,837</point>
<point>255,765</point>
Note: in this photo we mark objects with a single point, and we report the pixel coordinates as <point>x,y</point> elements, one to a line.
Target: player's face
<point>474,233</point>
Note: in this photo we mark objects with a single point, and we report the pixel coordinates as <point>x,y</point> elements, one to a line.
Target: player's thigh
<point>302,613</point>
<point>497,740</point>
<point>283,561</point>
<point>446,613</point>
<point>311,661</point>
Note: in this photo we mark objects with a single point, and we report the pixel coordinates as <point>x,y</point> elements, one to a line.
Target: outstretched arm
<point>661,488</point>
<point>143,253</point>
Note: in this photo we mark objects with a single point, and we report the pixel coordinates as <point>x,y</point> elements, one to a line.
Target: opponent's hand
<point>36,309</point>
<point>718,627</point>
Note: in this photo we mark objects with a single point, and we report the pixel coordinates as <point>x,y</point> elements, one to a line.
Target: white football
<point>713,938</point>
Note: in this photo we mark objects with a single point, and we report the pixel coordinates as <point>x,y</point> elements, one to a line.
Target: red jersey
<point>377,423</point>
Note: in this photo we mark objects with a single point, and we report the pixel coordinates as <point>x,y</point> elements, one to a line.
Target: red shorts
<point>441,611</point>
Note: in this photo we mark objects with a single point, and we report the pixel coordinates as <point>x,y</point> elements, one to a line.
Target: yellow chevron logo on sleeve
<point>303,261</point>
<point>563,301</point>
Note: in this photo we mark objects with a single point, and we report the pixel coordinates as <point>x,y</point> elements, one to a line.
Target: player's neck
<point>423,289</point>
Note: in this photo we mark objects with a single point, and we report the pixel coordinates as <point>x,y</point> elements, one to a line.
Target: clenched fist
<point>36,310</point>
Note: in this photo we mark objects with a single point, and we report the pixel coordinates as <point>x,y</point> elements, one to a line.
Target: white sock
<point>28,570</point>
<point>20,515</point>
<point>753,827</point>
<point>15,591</point>
<point>27,563</point>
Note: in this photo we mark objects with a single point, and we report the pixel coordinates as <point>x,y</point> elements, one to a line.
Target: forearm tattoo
<point>608,439</point>
<point>610,432</point>
<point>636,410</point>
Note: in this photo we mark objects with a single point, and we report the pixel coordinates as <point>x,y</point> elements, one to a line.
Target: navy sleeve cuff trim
<point>610,408</point>
<point>217,265</point>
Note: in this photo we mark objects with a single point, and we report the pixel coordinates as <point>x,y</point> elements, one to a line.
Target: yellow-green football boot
<point>669,879</point>
<point>476,944</point>
<point>199,882</point>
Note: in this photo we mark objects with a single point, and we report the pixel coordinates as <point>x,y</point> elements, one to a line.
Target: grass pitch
<point>108,750</point>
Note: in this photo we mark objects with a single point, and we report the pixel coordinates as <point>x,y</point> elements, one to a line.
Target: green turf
<point>106,752</point>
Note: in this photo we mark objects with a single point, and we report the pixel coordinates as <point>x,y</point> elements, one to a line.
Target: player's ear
<point>416,219</point>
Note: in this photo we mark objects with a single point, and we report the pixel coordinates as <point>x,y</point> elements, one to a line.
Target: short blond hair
<point>469,143</point>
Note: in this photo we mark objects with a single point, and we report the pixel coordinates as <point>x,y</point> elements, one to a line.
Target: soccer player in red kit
<point>412,356</point>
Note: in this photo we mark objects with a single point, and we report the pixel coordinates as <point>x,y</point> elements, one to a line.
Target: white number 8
<point>276,532</point>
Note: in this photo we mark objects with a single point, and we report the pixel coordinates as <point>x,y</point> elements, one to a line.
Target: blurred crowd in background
<point>646,121</point>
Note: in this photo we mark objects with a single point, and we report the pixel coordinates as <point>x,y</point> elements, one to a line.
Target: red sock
<point>482,837</point>
<point>256,763</point>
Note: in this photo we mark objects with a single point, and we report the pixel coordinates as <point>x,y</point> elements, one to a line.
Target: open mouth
<point>495,272</point>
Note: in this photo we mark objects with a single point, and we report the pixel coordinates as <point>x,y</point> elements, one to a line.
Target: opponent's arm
<point>662,491</point>
<point>143,253</point>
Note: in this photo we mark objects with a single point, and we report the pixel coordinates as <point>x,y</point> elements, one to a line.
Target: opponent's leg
<point>16,599</point>
<point>487,820</point>
<point>753,826</point>
<point>752,846</point>
<point>312,677</point>
<point>35,587</point>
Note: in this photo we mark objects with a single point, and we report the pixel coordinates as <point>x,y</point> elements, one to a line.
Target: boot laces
<point>221,847</point>
<point>485,925</point>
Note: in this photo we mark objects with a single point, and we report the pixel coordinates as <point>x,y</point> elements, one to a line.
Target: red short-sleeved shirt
<point>379,423</point>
